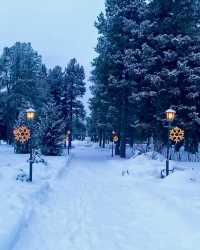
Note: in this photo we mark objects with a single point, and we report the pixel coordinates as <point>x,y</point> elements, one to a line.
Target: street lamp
<point>170,116</point>
<point>30,115</point>
<point>69,140</point>
<point>113,134</point>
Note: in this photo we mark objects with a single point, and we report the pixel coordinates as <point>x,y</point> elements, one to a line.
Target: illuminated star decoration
<point>22,134</point>
<point>177,135</point>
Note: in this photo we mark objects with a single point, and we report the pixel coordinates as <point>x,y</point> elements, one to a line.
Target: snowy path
<point>93,208</point>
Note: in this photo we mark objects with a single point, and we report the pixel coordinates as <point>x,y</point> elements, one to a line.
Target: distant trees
<point>25,81</point>
<point>67,87</point>
<point>148,61</point>
<point>73,89</point>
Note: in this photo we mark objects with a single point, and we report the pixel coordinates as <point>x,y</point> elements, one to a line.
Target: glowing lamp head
<point>30,114</point>
<point>113,132</point>
<point>68,132</point>
<point>170,115</point>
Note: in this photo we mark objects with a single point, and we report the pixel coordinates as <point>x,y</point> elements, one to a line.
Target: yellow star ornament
<point>177,135</point>
<point>22,134</point>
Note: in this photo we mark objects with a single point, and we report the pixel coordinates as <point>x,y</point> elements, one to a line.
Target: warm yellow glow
<point>170,115</point>
<point>22,134</point>
<point>30,116</point>
<point>30,113</point>
<point>177,135</point>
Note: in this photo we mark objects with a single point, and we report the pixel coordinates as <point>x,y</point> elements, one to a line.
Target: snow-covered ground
<point>18,198</point>
<point>93,204</point>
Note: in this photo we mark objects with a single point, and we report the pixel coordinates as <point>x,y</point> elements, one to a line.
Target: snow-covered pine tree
<point>42,85</point>
<point>73,88</point>
<point>121,19</point>
<point>55,81</point>
<point>51,129</point>
<point>79,129</point>
<point>20,74</point>
<point>2,121</point>
<point>170,59</point>
<point>99,109</point>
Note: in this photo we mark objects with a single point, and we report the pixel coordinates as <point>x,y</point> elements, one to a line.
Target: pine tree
<point>73,88</point>
<point>55,81</point>
<point>148,61</point>
<point>79,129</point>
<point>169,57</point>
<point>116,28</point>
<point>51,129</point>
<point>20,74</point>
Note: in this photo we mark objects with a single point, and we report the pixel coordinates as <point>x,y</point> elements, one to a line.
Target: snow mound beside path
<point>18,198</point>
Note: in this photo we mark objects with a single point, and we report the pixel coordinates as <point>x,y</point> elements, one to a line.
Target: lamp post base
<point>167,167</point>
<point>112,150</point>
<point>31,173</point>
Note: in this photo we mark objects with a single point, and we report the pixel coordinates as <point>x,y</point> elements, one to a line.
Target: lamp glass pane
<point>30,115</point>
<point>170,116</point>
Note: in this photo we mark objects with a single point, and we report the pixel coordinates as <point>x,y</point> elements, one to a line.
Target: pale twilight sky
<point>58,30</point>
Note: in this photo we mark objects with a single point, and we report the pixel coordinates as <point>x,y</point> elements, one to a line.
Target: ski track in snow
<point>92,208</point>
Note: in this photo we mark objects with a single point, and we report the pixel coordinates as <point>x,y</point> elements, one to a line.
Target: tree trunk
<point>117,148</point>
<point>131,139</point>
<point>104,139</point>
<point>123,128</point>
<point>100,138</point>
<point>71,122</point>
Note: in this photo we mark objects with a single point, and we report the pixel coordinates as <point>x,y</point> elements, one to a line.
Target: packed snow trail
<point>92,207</point>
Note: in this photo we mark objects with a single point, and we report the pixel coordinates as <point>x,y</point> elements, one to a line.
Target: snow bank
<point>18,197</point>
<point>94,207</point>
<point>12,220</point>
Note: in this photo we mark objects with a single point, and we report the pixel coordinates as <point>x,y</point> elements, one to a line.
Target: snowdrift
<point>18,198</point>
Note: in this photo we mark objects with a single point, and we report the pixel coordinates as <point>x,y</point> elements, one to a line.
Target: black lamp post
<point>69,140</point>
<point>113,134</point>
<point>170,116</point>
<point>30,115</point>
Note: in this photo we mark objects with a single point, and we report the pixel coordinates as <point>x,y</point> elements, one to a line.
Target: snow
<point>3,90</point>
<point>94,203</point>
<point>16,196</point>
